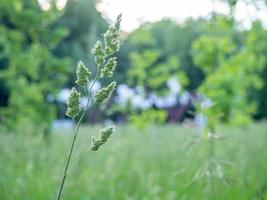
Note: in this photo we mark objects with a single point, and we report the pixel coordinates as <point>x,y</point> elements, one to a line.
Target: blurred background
<point>173,55</point>
<point>176,59</point>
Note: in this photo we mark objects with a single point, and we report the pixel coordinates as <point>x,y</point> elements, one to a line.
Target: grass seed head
<point>105,133</point>
<point>73,103</point>
<point>82,73</point>
<point>104,93</point>
<point>98,53</point>
<point>108,69</point>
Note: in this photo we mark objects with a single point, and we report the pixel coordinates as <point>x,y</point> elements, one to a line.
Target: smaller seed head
<point>111,38</point>
<point>104,93</point>
<point>109,68</point>
<point>82,73</point>
<point>73,103</point>
<point>99,53</point>
<point>104,134</point>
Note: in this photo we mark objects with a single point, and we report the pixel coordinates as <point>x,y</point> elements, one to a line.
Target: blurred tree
<point>84,24</point>
<point>176,39</point>
<point>150,66</point>
<point>148,62</point>
<point>257,45</point>
<point>29,70</point>
<point>150,70</point>
<point>171,41</point>
<point>257,37</point>
<point>231,70</point>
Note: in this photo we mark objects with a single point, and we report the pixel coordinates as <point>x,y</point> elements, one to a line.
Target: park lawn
<point>156,163</point>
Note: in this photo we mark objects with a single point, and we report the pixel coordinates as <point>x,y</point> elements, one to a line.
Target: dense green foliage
<point>157,51</point>
<point>152,164</point>
<point>29,70</point>
<point>34,45</point>
<point>231,68</point>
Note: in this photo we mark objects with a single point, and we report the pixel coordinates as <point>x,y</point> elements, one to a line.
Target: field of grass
<point>151,164</point>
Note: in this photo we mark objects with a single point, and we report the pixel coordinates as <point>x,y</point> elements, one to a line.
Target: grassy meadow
<point>152,164</point>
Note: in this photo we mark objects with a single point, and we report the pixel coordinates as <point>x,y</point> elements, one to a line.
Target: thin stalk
<point>75,136</point>
<point>68,161</point>
<point>210,152</point>
<point>80,158</point>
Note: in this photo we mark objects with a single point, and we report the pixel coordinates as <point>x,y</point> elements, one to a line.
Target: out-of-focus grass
<point>135,165</point>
